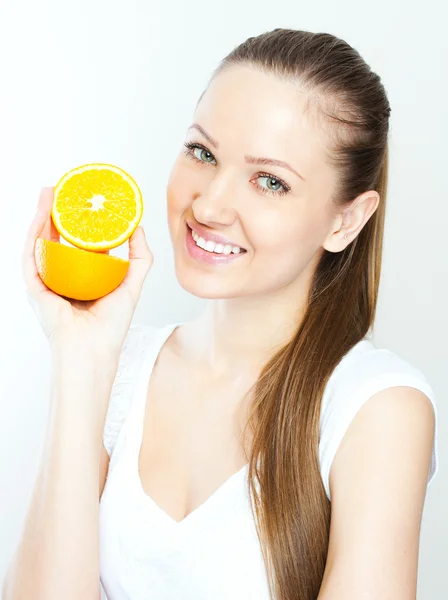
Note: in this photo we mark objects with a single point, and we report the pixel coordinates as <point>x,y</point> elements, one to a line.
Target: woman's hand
<point>97,326</point>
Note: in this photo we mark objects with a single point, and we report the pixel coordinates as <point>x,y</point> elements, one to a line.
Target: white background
<point>117,82</point>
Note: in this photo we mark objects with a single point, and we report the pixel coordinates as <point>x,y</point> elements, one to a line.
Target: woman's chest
<point>192,440</point>
<point>208,546</point>
<point>213,553</point>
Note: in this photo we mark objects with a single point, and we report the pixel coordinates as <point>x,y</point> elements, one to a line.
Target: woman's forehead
<point>261,115</point>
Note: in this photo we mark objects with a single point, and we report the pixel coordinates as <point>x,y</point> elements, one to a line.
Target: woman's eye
<point>204,155</point>
<point>273,187</point>
<point>199,153</point>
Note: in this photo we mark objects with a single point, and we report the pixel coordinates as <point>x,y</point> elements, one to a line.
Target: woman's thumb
<point>141,260</point>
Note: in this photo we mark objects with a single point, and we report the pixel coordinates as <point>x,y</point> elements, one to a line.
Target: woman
<point>266,449</point>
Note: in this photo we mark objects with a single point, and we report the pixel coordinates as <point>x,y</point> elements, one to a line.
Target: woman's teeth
<point>210,246</point>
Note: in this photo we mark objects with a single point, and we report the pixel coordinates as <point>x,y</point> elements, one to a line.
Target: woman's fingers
<point>141,259</point>
<point>140,256</point>
<point>39,226</point>
<point>49,231</point>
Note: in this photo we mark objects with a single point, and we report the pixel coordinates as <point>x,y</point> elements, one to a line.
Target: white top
<point>214,553</point>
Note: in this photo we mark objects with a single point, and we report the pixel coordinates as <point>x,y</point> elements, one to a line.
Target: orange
<point>97,206</point>
<point>78,274</point>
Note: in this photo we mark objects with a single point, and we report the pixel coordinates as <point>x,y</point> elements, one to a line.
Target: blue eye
<point>205,157</point>
<point>203,154</point>
<point>278,183</point>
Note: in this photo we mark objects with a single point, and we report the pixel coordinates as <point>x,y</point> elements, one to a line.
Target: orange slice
<point>97,206</point>
<point>78,274</point>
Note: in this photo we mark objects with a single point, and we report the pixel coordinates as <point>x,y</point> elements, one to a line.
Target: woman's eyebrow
<point>249,159</point>
<point>271,161</point>
<point>207,136</point>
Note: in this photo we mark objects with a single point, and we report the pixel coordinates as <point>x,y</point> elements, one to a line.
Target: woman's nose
<point>216,203</point>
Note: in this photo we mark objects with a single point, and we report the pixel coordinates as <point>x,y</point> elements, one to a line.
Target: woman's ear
<point>349,222</point>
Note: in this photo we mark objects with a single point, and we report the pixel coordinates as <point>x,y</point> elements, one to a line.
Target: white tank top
<point>214,553</point>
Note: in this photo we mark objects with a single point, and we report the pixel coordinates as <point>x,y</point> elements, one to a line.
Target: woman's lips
<point>207,235</point>
<point>205,257</point>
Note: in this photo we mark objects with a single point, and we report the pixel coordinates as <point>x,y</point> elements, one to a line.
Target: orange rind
<point>78,274</point>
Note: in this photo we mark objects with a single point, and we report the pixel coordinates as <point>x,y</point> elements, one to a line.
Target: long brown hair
<point>289,502</point>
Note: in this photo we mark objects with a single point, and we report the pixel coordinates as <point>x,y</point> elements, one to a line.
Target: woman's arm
<point>378,484</point>
<point>58,553</point>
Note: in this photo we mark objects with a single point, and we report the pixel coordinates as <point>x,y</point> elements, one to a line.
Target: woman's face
<point>279,217</point>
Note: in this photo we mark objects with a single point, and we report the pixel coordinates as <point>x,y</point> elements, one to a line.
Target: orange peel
<point>78,274</point>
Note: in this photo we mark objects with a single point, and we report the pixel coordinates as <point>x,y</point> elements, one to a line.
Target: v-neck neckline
<point>202,510</point>
<point>218,496</point>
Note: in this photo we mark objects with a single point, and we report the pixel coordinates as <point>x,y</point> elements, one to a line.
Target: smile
<point>209,252</point>
<point>211,246</point>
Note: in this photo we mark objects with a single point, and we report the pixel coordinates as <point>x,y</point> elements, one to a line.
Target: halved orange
<point>97,206</point>
<point>78,274</point>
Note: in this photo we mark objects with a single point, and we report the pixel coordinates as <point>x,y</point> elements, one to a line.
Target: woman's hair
<point>290,505</point>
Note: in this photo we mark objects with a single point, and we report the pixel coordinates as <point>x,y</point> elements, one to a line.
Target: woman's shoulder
<point>138,334</point>
<point>364,371</point>
<point>371,367</point>
<point>140,340</point>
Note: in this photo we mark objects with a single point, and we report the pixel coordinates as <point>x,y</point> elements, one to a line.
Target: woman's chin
<point>201,288</point>
<point>204,285</point>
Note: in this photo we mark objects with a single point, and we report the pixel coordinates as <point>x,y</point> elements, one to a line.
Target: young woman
<point>266,449</point>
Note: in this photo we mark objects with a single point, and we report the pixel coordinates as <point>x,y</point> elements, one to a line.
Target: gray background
<point>117,82</point>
